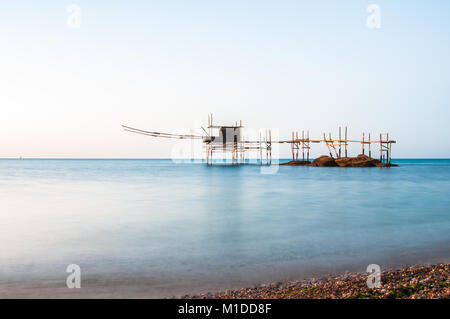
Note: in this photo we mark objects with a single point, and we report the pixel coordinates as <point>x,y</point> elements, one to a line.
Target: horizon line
<point>164,158</point>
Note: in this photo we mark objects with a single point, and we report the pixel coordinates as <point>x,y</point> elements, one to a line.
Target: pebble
<point>414,282</point>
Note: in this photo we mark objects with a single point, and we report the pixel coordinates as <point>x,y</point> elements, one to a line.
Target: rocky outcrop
<point>297,163</point>
<point>328,161</point>
<point>324,161</point>
<point>358,161</point>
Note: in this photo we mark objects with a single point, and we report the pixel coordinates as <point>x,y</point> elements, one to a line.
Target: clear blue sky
<point>165,65</point>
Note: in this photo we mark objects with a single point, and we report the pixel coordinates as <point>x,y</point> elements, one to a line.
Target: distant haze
<point>164,65</point>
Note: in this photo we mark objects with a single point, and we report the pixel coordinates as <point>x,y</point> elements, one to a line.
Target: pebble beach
<point>412,282</point>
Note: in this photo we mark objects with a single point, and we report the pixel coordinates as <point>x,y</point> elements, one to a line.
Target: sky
<point>66,87</point>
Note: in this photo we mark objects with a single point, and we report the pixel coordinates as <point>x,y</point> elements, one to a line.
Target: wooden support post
<point>209,124</point>
<point>363,144</point>
<point>292,146</point>
<point>388,155</point>
<point>328,146</point>
<point>260,148</point>
<point>346,141</point>
<point>267,150</point>
<point>307,133</point>
<point>270,145</point>
<point>331,142</point>
<point>340,141</point>
<point>390,149</point>
<point>370,152</point>
<point>303,144</point>
<point>381,148</point>
<point>240,154</point>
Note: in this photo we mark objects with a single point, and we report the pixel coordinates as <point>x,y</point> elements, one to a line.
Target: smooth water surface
<point>171,228</point>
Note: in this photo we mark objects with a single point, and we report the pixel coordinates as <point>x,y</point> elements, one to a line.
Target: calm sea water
<point>157,228</point>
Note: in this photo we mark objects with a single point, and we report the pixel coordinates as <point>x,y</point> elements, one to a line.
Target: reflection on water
<point>202,226</point>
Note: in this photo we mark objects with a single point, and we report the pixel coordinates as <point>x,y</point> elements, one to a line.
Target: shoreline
<point>415,282</point>
<point>409,282</point>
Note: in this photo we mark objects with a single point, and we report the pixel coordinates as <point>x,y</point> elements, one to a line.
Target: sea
<point>156,228</point>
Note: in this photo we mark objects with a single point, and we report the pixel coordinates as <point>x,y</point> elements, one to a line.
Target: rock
<point>296,163</point>
<point>364,163</point>
<point>324,161</point>
<point>344,161</point>
<point>361,160</point>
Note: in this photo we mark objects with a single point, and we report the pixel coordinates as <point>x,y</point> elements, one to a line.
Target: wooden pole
<point>270,144</point>
<point>363,144</point>
<point>292,146</point>
<point>307,133</point>
<point>346,141</point>
<point>328,146</point>
<point>332,144</point>
<point>303,144</point>
<point>260,149</point>
<point>390,149</point>
<point>381,148</point>
<point>388,155</point>
<point>232,156</point>
<point>370,152</point>
<point>267,150</point>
